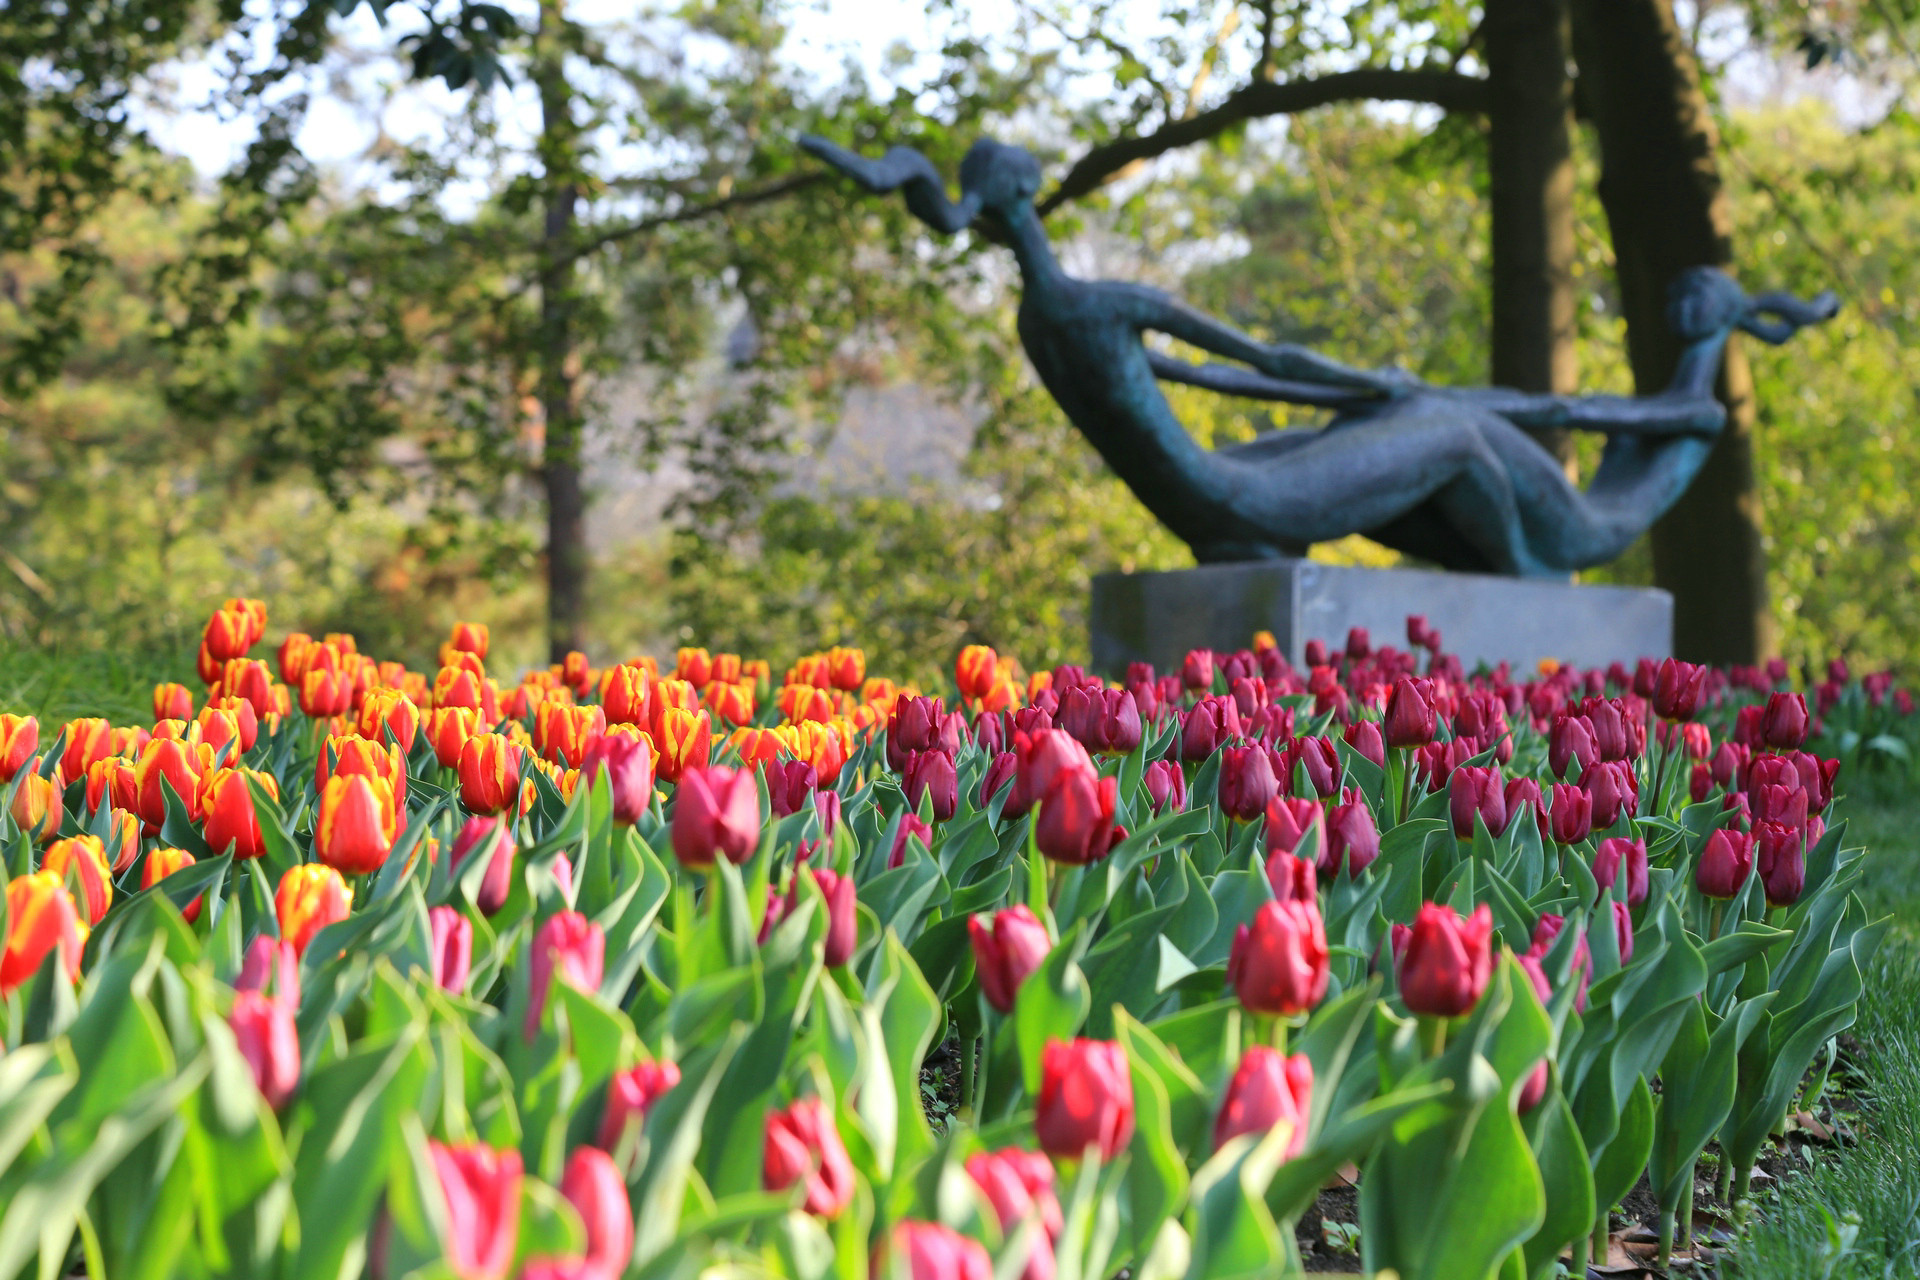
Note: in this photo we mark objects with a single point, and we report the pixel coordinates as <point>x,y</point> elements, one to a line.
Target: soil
<point>1320,1250</point>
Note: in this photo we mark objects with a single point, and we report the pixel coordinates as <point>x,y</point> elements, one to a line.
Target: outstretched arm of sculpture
<point>900,167</point>
<point>1157,311</point>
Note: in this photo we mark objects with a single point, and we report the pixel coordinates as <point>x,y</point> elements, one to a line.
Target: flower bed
<point>337,968</point>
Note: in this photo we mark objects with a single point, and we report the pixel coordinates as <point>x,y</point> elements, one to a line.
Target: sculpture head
<point>1704,303</point>
<point>997,176</point>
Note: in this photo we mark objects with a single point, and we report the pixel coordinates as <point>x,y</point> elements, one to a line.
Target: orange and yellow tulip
<point>352,754</point>
<point>112,782</point>
<point>249,679</point>
<point>230,633</point>
<point>123,839</point>
<point>232,821</point>
<point>758,746</point>
<point>162,863</point>
<point>388,709</point>
<point>448,729</point>
<point>846,668</point>
<point>577,672</point>
<point>172,702</point>
<point>489,773</point>
<point>695,666</point>
<point>41,915</point>
<point>37,809</point>
<point>88,740</point>
<point>684,740</point>
<point>562,733</point>
<point>182,765</point>
<point>975,670</point>
<point>470,637</point>
<point>357,823</point>
<point>295,652</point>
<point>310,898</point>
<point>730,703</point>
<point>627,695</point>
<point>81,864</point>
<point>19,735</point>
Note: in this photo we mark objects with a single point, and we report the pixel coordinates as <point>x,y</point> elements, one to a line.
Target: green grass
<point>1855,1213</point>
<point>58,687</point>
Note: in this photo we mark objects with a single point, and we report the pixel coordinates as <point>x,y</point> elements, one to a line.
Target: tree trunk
<point>1530,173</point>
<point>560,466</point>
<point>1668,210</point>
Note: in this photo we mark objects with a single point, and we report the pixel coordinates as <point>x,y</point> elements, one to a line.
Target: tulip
<point>1316,653</point>
<point>41,916</point>
<point>630,1095</point>
<point>1523,797</point>
<point>790,785</point>
<point>265,1033</point>
<point>594,1186</point>
<point>1000,772</point>
<point>81,862</point>
<point>842,922</point>
<point>1784,724</point>
<point>470,637</point>
<point>564,732</point>
<point>1352,840</point>
<point>1571,739</point>
<point>232,822</point>
<point>490,769</point>
<point>1446,961</point>
<point>930,1251</point>
<point>1700,783</point>
<point>162,863</point>
<point>111,782</point>
<point>975,671</point>
<point>576,672</point>
<point>1212,723</point>
<point>1278,964</point>
<point>496,882</point>
<point>1042,755</point>
<point>181,766</point>
<point>628,764</point>
<point>1268,1089</point>
<point>571,948</point>
<point>1325,773</point>
<point>1086,1099</point>
<point>1780,852</point>
<point>310,898</point>
<point>356,824</point>
<point>390,711</point>
<point>1196,670</point>
<point>803,1146</point>
<point>910,828</point>
<point>1615,853</point>
<point>683,742</point>
<point>1288,821</point>
<point>1609,726</point>
<point>1106,721</point>
<point>1784,803</point>
<point>931,775</point>
<point>448,729</point>
<point>1007,947</point>
<point>87,741</point>
<point>1166,785</point>
<point>1076,823</point>
<point>1476,793</point>
<point>1019,1186</point>
<point>36,808</point>
<point>1623,931</point>
<point>172,702</point>
<point>1614,790</point>
<point>1365,738</point>
<point>481,1188</point>
<point>716,811</point>
<point>1724,864</point>
<point>229,634</point>
<point>1816,778</point>
<point>1545,931</point>
<point>452,948</point>
<point>1293,879</point>
<point>913,726</point>
<point>1410,720</point>
<point>1246,782</point>
<point>1678,689</point>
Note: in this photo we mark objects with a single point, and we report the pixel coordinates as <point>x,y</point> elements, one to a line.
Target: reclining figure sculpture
<point>1450,475</point>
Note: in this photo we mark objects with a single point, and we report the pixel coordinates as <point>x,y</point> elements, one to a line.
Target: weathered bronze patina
<point>1450,475</point>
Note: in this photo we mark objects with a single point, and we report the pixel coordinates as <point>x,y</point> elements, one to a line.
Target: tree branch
<point>693,213</point>
<point>1448,90</point>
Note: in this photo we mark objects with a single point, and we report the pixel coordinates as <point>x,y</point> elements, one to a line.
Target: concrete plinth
<point>1158,617</point>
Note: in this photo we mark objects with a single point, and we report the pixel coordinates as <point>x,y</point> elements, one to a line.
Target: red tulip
<point>1076,825</point>
<point>931,775</point>
<point>803,1146</point>
<point>1365,738</point>
<point>270,1043</point>
<point>81,862</point>
<point>1410,720</point>
<point>630,1095</point>
<point>1086,1099</point>
<point>1000,772</point>
<point>1289,819</point>
<point>1352,840</point>
<point>1007,948</point>
<point>1196,670</point>
<point>842,922</point>
<point>41,915</point>
<point>935,1252</point>
<point>1278,964</point>
<point>1476,792</point>
<point>716,812</point>
<point>1780,853</point>
<point>496,882</point>
<point>162,863</point>
<point>1571,739</point>
<point>628,761</point>
<point>1106,721</point>
<point>1784,724</point>
<point>594,1186</point>
<point>1544,932</point>
<point>790,785</point>
<point>1678,689</point>
<point>489,769</point>
<point>1447,960</point>
<point>1246,782</point>
<point>481,1189</point>
<point>1615,791</point>
<point>1267,1089</point>
<point>1725,864</point>
<point>1212,723</point>
<point>1623,931</point>
<point>452,948</point>
<point>910,828</point>
<point>1616,852</point>
<point>1166,785</point>
<point>1019,1186</point>
<point>568,947</point>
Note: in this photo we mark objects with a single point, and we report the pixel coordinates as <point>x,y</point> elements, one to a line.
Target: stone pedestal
<point>1158,617</point>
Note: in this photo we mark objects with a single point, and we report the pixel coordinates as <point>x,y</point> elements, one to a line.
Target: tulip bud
<point>1278,965</point>
<point>1019,1186</point>
<point>1784,724</point>
<point>1288,821</point>
<point>1166,785</point>
<point>1000,772</point>
<point>390,711</point>
<point>81,864</point>
<point>481,1188</point>
<point>1007,947</point>
<point>1106,721</point>
<point>802,1145</point>
<point>470,637</point>
<point>162,863</point>
<point>1293,879</point>
<point>910,828</point>
<point>87,741</point>
<point>1316,653</point>
<point>172,702</point>
<point>36,808</point>
<point>232,823</point>
<point>931,775</point>
<point>269,1041</point>
<point>1780,852</point>
<point>490,767</point>
<point>357,824</point>
<point>1365,738</point>
<point>975,671</point>
<point>1352,840</point>
<point>1246,782</point>
<point>1544,932</point>
<point>41,916</point>
<point>569,947</point>
<point>1086,1099</point>
<point>1410,720</point>
<point>1476,793</point>
<point>1076,822</point>
<point>1267,1090</point>
<point>1678,689</point>
<point>1614,791</point>
<point>181,766</point>
<point>310,898</point>
<point>1447,960</point>
<point>683,741</point>
<point>1725,864</point>
<point>842,922</point>
<point>716,812</point>
<point>630,1095</point>
<point>628,762</point>
<point>1212,723</point>
<point>496,882</point>
<point>594,1186</point>
<point>452,948</point>
<point>930,1251</point>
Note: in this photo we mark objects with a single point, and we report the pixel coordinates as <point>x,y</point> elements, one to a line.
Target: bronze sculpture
<point>1449,475</point>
